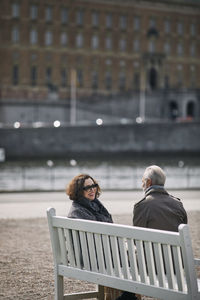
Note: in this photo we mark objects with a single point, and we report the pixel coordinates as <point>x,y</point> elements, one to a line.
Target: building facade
<point>143,53</point>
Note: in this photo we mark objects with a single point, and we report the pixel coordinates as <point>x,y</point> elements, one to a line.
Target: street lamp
<point>73,98</point>
<point>142,96</point>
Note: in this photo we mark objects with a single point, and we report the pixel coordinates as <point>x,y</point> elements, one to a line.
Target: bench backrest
<point>155,262</point>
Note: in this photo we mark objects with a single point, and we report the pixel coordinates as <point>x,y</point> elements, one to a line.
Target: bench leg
<point>100,292</point>
<point>59,288</point>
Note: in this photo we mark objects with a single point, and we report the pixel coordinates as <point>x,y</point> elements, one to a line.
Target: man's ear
<point>149,182</point>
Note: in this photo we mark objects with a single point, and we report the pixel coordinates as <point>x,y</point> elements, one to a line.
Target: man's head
<point>153,175</point>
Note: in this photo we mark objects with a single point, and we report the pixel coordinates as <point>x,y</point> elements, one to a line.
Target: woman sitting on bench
<point>84,191</point>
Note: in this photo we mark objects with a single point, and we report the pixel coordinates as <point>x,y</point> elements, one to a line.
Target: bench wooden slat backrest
<point>159,259</point>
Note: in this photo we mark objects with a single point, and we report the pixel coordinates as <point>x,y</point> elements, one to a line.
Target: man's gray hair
<point>156,174</point>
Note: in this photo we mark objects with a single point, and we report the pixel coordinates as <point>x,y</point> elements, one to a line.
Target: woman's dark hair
<point>75,188</point>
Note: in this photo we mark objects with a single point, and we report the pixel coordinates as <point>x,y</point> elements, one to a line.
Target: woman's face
<point>89,189</point>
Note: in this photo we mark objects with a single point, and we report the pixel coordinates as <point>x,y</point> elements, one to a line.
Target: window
<point>193,29</point>
<point>180,28</point>
<point>15,73</point>
<point>152,23</point>
<point>108,80</point>
<point>167,48</point>
<point>136,23</point>
<point>63,39</point>
<point>123,22</point>
<point>94,80</point>
<point>95,19</point>
<point>152,46</point>
<point>80,78</point>
<point>180,49</point>
<point>15,34</point>
<point>64,15</point>
<point>109,20</point>
<point>192,49</point>
<point>33,12</point>
<point>108,62</point>
<point>166,81</point>
<point>79,40</point>
<point>33,57</point>
<point>191,109</point>
<point>108,43</point>
<point>15,56</point>
<point>179,75</point>
<point>15,10</point>
<point>167,26</point>
<point>136,45</point>
<point>95,42</point>
<point>48,14</point>
<point>48,76</point>
<point>33,37</point>
<point>122,44</point>
<point>192,77</point>
<point>173,110</point>
<point>48,38</point>
<point>63,77</point>
<point>122,80</point>
<point>33,75</point>
<point>136,80</point>
<point>79,17</point>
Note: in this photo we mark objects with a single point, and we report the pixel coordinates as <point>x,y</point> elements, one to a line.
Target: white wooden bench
<point>149,262</point>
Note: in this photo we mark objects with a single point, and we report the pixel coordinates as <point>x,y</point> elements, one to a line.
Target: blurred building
<point>140,57</point>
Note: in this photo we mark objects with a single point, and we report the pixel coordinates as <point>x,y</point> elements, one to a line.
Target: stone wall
<point>89,141</point>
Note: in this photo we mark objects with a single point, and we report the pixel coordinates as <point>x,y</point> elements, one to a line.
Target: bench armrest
<point>197,261</point>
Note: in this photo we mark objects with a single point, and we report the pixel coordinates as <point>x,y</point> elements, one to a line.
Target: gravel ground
<point>26,260</point>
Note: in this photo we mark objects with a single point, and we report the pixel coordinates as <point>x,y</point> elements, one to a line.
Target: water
<point>117,174</point>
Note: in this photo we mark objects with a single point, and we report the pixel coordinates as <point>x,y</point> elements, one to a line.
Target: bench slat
<point>179,270</point>
<point>115,256</point>
<point>92,252</point>
<point>167,251</point>
<point>77,248</point>
<point>69,246</point>
<point>100,253</point>
<point>124,258</point>
<point>84,247</point>
<point>159,264</point>
<point>133,260</point>
<point>150,262</point>
<point>107,251</point>
<point>141,261</point>
<point>63,248</point>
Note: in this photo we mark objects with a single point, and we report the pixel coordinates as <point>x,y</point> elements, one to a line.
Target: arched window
<point>122,81</point>
<point>95,42</point>
<point>33,36</point>
<point>108,80</point>
<point>79,40</point>
<point>48,38</point>
<point>94,80</point>
<point>173,110</point>
<point>15,34</point>
<point>122,44</point>
<point>108,43</point>
<point>33,75</point>
<point>190,109</point>
<point>63,39</point>
<point>153,78</point>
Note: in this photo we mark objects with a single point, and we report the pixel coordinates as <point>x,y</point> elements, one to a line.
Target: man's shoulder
<point>141,202</point>
<point>175,198</point>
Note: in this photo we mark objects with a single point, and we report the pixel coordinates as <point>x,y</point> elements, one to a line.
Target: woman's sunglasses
<point>89,187</point>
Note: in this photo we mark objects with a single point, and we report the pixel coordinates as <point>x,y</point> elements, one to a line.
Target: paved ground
<point>33,205</point>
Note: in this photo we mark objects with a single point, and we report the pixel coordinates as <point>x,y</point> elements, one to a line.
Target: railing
<point>26,178</point>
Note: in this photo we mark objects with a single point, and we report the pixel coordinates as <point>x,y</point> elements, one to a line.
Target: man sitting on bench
<point>158,209</point>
